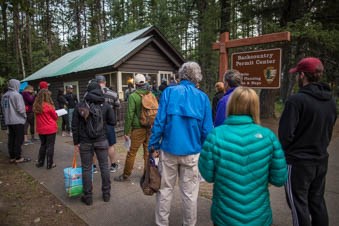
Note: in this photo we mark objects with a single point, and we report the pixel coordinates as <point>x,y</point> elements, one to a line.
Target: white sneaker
<point>114,168</point>
<point>95,169</point>
<point>28,142</point>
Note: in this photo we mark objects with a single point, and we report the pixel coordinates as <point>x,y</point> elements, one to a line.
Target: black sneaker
<point>114,168</point>
<point>39,165</point>
<point>88,201</point>
<point>121,178</point>
<point>95,169</point>
<point>106,197</point>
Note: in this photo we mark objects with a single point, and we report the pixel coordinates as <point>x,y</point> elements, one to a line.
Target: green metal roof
<point>98,56</point>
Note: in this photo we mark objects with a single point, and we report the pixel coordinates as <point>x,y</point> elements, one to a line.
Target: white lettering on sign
<point>257,56</point>
<point>247,60</point>
<point>245,63</point>
<point>252,78</point>
<point>259,68</point>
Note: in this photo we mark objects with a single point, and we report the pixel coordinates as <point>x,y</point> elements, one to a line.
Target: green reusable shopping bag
<point>73,179</point>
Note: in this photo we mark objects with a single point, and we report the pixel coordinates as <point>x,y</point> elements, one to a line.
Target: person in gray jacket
<point>13,108</point>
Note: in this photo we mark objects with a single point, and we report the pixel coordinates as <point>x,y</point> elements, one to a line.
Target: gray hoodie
<point>13,105</point>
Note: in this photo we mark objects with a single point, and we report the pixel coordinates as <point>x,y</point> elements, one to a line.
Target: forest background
<point>34,33</point>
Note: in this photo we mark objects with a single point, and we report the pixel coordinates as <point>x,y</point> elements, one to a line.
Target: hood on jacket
<point>14,84</point>
<point>95,96</point>
<point>318,90</point>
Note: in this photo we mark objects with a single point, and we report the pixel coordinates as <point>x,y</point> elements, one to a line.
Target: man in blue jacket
<point>183,121</point>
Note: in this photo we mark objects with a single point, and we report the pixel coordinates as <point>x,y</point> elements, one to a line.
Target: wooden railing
<point>120,113</point>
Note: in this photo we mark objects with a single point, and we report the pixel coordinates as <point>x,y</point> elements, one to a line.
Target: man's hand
<point>156,154</point>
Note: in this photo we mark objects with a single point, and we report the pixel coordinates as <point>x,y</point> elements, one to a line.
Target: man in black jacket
<point>112,98</point>
<point>86,145</point>
<point>72,101</point>
<point>305,131</point>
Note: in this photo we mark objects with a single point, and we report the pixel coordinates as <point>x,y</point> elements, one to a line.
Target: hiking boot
<point>121,178</point>
<point>114,167</point>
<point>87,200</point>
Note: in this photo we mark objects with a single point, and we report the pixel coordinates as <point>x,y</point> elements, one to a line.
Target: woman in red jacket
<point>46,126</point>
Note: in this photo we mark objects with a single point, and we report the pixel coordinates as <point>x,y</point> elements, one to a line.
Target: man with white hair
<point>138,134</point>
<point>183,121</point>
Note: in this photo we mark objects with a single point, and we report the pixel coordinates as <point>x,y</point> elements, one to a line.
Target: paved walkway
<point>128,205</point>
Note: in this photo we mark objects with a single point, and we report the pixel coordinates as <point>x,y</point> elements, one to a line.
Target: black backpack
<point>93,115</point>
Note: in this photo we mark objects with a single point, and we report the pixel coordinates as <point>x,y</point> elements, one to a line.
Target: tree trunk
<point>225,16</point>
<point>5,69</point>
<point>267,99</point>
<point>28,41</point>
<point>20,60</point>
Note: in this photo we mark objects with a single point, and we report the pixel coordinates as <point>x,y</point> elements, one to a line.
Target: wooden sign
<point>260,69</point>
<point>225,43</point>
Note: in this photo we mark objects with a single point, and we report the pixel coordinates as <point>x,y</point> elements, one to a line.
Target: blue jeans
<point>86,154</point>
<point>70,117</point>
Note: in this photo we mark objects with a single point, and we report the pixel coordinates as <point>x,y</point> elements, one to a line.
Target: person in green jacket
<point>134,131</point>
<point>241,158</point>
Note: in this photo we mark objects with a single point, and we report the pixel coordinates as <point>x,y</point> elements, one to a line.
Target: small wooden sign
<point>260,69</point>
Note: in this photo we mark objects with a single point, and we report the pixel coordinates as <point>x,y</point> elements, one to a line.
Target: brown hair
<point>244,101</point>
<point>44,95</point>
<point>29,88</point>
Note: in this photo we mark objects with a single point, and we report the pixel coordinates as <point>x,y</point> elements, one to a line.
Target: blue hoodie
<point>13,105</point>
<point>183,121</point>
<point>220,115</point>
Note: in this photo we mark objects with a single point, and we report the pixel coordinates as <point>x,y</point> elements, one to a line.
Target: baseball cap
<point>139,79</point>
<point>69,87</point>
<point>308,64</point>
<point>100,78</point>
<point>43,85</point>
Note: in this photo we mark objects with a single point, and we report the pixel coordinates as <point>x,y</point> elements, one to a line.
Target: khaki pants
<point>186,167</point>
<point>138,137</point>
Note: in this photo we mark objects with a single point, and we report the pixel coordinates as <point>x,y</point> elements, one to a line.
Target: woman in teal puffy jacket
<point>241,158</point>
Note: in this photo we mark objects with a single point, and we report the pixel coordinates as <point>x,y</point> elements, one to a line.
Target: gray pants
<point>86,154</point>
